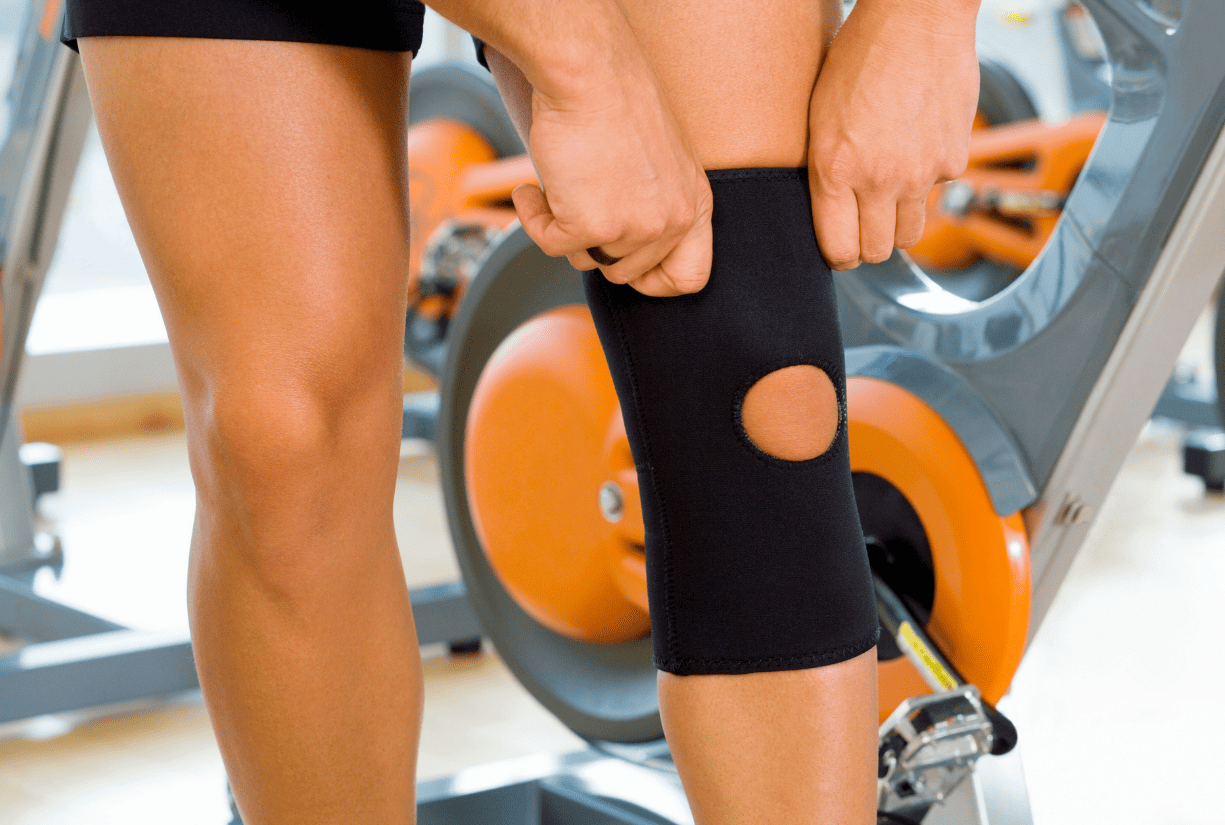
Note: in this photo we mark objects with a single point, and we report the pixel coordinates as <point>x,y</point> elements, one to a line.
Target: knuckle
<point>841,255</point>
<point>955,166</point>
<point>836,172</point>
<point>690,283</point>
<point>652,226</point>
<point>682,218</point>
<point>603,231</point>
<point>879,177</point>
<point>615,275</point>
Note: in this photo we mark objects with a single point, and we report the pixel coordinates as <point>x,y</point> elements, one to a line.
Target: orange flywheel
<point>980,612</point>
<point>551,481</point>
<point>439,153</point>
<point>554,498</point>
<point>454,174</point>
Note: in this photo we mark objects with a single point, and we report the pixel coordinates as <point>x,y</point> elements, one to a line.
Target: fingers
<point>835,216</point>
<point>542,226</point>
<point>661,272</point>
<point>675,261</point>
<point>601,257</point>
<point>854,228</point>
<point>582,261</point>
<point>684,270</point>
<point>538,221</point>
<point>911,215</point>
<point>877,223</point>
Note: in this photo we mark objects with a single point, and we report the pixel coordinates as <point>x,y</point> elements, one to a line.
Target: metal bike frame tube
<point>1189,267</point>
<point>35,209</point>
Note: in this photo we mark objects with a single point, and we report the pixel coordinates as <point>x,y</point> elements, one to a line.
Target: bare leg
<point>265,183</point>
<point>792,746</point>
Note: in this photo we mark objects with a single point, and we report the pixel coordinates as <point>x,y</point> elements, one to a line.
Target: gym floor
<point>125,516</point>
<point>1113,700</point>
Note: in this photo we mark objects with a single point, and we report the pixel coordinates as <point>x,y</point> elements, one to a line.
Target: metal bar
<point>1000,784</point>
<point>580,788</point>
<point>28,616</point>
<point>47,152</point>
<point>1127,389</point>
<point>101,669</point>
<point>964,806</point>
<point>88,661</point>
<point>563,805</point>
<point>510,805</point>
<point>932,664</point>
<point>935,669</point>
<point>995,794</point>
<point>16,516</point>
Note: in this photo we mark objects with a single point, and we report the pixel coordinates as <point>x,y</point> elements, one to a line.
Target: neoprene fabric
<point>754,563</point>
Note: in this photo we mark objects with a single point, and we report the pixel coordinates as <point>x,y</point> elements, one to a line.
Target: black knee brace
<point>754,563</point>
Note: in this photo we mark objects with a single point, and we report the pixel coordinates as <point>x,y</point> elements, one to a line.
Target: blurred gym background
<point>1113,701</point>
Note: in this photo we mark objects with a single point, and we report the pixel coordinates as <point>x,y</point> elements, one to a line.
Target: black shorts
<point>385,25</point>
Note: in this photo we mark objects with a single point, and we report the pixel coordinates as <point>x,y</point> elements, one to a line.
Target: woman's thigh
<point>738,75</point>
<point>265,183</point>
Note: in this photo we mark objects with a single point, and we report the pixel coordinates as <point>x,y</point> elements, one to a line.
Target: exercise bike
<point>988,418</point>
<point>986,425</point>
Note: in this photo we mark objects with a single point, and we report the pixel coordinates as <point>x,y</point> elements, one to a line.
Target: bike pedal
<point>928,746</point>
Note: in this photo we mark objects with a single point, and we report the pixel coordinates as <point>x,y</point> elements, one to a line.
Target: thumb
<point>537,219</point>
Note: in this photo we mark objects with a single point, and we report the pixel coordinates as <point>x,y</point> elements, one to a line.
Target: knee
<point>282,474</point>
<point>269,437</point>
<point>253,440</point>
<point>792,413</point>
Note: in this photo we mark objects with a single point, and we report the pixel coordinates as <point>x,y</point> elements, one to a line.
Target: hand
<point>617,172</point>
<point>890,117</point>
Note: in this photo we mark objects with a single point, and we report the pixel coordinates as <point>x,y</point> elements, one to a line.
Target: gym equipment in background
<point>465,159</point>
<point>986,427</point>
<point>1012,409</point>
<point>982,231</point>
<point>1005,208</point>
<point>1073,74</point>
<point>1078,81</point>
<point>72,659</point>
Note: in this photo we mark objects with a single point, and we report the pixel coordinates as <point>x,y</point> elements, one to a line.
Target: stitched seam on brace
<point>782,173</point>
<point>840,653</point>
<point>772,460</point>
<point>666,536</point>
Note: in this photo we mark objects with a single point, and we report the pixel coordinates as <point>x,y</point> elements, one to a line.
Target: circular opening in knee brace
<point>792,413</point>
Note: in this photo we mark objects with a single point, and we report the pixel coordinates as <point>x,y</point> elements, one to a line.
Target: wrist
<point>566,49</point>
<point>596,53</point>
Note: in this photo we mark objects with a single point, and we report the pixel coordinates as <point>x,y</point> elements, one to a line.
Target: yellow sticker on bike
<point>932,664</point>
